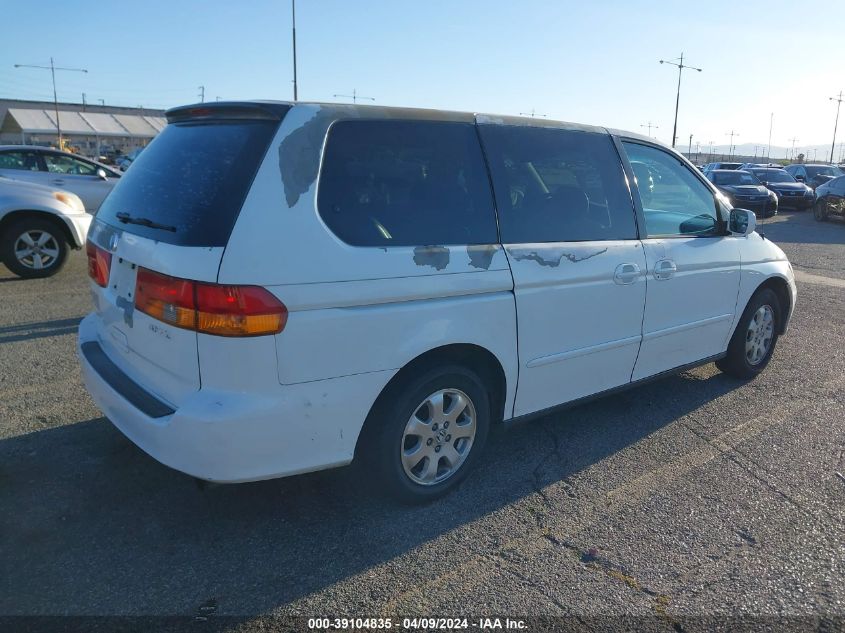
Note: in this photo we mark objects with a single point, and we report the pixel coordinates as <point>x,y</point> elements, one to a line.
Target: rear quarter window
<point>193,176</point>
<point>405,183</point>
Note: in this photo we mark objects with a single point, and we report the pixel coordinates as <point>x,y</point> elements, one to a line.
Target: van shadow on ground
<point>90,524</point>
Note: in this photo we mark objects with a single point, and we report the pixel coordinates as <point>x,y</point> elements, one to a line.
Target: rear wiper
<point>128,219</point>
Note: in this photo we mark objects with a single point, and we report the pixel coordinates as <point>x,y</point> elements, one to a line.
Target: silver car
<point>88,179</point>
<point>38,225</point>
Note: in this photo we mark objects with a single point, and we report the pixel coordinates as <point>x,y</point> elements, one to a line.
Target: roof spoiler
<point>228,110</point>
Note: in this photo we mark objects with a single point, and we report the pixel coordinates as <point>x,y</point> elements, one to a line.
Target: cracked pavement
<point>695,495</point>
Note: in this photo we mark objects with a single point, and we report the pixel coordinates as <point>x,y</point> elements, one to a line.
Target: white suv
<point>281,288</point>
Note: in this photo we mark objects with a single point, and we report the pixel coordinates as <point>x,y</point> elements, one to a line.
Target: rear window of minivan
<point>193,177</point>
<point>406,183</point>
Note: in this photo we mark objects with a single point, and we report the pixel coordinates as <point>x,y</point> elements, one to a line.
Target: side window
<point>406,183</point>
<point>675,201</point>
<point>60,164</point>
<point>557,185</point>
<point>25,161</point>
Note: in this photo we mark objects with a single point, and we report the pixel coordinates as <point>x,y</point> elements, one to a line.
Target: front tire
<point>754,340</point>
<point>425,435</point>
<point>33,248</point>
<point>820,211</point>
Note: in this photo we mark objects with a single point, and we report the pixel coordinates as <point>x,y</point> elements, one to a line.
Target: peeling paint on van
<point>481,256</point>
<point>551,257</point>
<point>435,256</point>
<point>299,155</point>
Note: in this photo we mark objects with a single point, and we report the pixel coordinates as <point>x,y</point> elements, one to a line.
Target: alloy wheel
<point>438,437</point>
<point>36,249</point>
<point>759,335</point>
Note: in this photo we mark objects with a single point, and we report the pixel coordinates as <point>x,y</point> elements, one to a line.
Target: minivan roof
<point>278,108</point>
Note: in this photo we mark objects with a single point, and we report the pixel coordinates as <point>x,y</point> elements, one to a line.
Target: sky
<point>588,62</point>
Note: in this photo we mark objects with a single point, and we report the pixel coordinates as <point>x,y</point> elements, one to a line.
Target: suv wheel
<point>755,338</point>
<point>820,210</point>
<point>423,440</point>
<point>33,247</point>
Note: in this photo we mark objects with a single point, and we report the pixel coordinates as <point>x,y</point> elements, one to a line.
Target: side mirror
<point>742,222</point>
<point>101,173</point>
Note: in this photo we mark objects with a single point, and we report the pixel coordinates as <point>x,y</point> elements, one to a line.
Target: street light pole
<point>838,100</point>
<point>293,39</point>
<point>53,68</point>
<point>681,67</point>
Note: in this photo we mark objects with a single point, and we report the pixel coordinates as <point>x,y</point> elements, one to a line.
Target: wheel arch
<point>13,216</point>
<point>779,286</point>
<point>475,357</point>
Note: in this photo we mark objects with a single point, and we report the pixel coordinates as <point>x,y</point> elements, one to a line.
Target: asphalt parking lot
<point>695,495</point>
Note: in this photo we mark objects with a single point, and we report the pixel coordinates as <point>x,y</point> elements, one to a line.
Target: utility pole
<point>201,94</point>
<point>102,102</point>
<point>532,114</point>
<point>711,152</point>
<point>649,125</point>
<point>689,149</point>
<point>53,68</point>
<point>293,40</point>
<point>732,134</point>
<point>838,100</point>
<point>793,139</point>
<point>681,67</point>
<point>354,96</point>
<point>769,147</point>
<point>83,102</point>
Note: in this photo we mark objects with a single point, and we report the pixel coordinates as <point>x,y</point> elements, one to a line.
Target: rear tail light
<point>99,263</point>
<point>210,308</point>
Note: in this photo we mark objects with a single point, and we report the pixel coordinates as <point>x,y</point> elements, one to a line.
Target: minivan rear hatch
<point>168,219</point>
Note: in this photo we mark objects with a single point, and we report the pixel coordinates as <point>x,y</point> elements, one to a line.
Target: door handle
<point>626,274</point>
<point>665,269</point>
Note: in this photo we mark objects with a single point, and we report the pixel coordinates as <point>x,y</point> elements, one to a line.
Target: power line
<point>354,96</point>
<point>53,68</point>
<point>649,125</point>
<point>532,114</point>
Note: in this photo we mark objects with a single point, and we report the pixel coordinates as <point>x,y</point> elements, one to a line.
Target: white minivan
<point>281,288</point>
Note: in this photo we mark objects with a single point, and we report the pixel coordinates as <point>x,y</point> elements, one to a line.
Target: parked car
<point>722,165</point>
<point>348,287</point>
<point>123,162</point>
<point>790,192</point>
<point>88,179</point>
<point>37,227</point>
<point>813,175</point>
<point>744,190</point>
<point>830,199</point>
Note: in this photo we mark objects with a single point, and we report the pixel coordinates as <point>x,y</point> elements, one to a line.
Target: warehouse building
<point>87,129</point>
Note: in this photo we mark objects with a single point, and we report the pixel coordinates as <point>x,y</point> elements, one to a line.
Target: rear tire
<point>34,247</point>
<point>426,434</point>
<point>756,335</point>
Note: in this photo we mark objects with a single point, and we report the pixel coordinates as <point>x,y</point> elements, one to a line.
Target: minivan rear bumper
<point>233,436</point>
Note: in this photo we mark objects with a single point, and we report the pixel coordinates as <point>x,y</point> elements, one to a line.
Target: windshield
<point>192,178</point>
<point>823,170</point>
<point>773,175</point>
<point>735,178</point>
